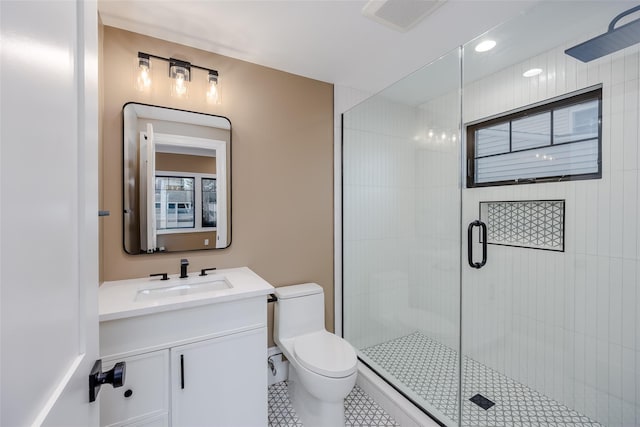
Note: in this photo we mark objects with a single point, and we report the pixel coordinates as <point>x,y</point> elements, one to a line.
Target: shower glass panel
<point>401,234</point>
<point>552,337</point>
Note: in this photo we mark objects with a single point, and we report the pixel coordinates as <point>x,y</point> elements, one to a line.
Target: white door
<point>148,238</point>
<point>48,216</point>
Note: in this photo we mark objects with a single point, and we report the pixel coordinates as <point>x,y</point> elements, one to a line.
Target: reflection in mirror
<point>177,175</point>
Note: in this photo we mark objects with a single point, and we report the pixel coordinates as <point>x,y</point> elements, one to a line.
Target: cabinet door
<point>220,382</point>
<point>144,394</point>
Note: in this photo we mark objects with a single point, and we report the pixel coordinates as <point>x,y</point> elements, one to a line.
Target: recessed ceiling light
<point>532,72</point>
<point>485,46</point>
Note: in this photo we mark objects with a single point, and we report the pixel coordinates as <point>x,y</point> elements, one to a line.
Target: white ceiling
<point>544,26</point>
<point>325,40</point>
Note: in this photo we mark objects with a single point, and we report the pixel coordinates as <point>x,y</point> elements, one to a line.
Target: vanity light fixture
<point>180,73</point>
<point>532,72</point>
<point>485,46</point>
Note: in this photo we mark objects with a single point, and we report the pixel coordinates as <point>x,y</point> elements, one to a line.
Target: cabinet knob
<point>128,393</point>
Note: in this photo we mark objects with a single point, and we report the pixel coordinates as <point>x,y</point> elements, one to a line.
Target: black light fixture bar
<point>177,62</point>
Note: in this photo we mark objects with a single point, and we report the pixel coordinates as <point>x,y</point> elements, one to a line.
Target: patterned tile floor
<point>359,409</point>
<point>430,370</point>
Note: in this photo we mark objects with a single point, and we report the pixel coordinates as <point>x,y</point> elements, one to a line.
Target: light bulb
<point>213,93</point>
<point>180,73</point>
<point>180,85</point>
<point>143,74</point>
<point>180,82</point>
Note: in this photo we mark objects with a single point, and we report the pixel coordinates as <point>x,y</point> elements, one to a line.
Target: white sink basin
<point>181,289</point>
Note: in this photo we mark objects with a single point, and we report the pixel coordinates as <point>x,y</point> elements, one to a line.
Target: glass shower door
<point>401,235</point>
<point>550,325</point>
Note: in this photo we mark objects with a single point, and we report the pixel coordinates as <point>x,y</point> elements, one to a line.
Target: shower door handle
<point>483,230</point>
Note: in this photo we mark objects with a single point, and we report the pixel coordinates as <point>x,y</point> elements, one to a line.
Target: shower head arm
<point>615,20</point>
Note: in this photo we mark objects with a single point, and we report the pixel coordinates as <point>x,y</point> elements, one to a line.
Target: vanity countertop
<point>136,297</point>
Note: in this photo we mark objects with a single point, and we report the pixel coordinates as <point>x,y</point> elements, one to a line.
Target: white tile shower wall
<point>566,324</point>
<point>435,260</point>
<point>378,208</point>
<point>401,222</point>
<point>344,98</point>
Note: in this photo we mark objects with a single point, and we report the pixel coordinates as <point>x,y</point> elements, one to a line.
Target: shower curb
<point>395,404</point>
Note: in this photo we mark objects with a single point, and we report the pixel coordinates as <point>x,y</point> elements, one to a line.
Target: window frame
<point>197,201</point>
<point>578,97</point>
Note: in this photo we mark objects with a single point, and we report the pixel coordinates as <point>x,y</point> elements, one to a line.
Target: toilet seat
<point>325,354</point>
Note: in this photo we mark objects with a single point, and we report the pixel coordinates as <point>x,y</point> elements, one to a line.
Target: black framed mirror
<point>176,180</point>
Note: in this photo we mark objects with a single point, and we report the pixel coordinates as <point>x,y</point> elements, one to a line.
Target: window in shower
<point>558,140</point>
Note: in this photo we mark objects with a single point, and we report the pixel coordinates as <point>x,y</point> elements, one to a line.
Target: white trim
<point>147,190</point>
<point>221,197</point>
<point>180,144</point>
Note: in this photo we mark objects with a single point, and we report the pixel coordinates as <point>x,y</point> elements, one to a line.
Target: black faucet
<point>184,263</point>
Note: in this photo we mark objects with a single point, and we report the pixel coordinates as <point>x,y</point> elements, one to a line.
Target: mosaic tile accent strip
<point>359,409</point>
<point>536,224</point>
<point>430,370</point>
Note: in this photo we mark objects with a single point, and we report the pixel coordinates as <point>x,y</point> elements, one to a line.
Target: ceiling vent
<point>400,15</point>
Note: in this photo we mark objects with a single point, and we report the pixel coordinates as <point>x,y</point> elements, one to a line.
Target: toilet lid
<point>325,354</point>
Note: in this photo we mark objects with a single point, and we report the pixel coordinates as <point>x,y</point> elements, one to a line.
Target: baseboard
<point>395,404</point>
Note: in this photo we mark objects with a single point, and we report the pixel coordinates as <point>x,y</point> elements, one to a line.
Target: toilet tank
<point>299,310</point>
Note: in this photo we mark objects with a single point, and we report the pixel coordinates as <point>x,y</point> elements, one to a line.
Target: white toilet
<point>322,366</point>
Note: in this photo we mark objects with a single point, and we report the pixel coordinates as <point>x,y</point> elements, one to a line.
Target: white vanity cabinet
<point>216,381</point>
<point>196,363</point>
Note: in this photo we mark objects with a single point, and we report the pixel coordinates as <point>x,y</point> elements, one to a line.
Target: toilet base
<point>312,411</point>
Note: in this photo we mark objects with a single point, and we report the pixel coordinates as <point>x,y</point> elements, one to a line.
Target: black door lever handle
<point>483,230</point>
<point>115,376</point>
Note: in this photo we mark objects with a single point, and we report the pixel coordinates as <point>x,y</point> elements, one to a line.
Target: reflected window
<point>174,202</point>
<point>553,141</point>
<point>186,204</point>
<point>209,202</point>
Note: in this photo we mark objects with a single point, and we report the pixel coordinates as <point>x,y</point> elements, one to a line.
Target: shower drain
<point>482,401</point>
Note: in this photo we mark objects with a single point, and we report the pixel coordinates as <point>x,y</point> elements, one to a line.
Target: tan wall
<point>282,165</point>
<point>186,241</point>
<point>171,162</point>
